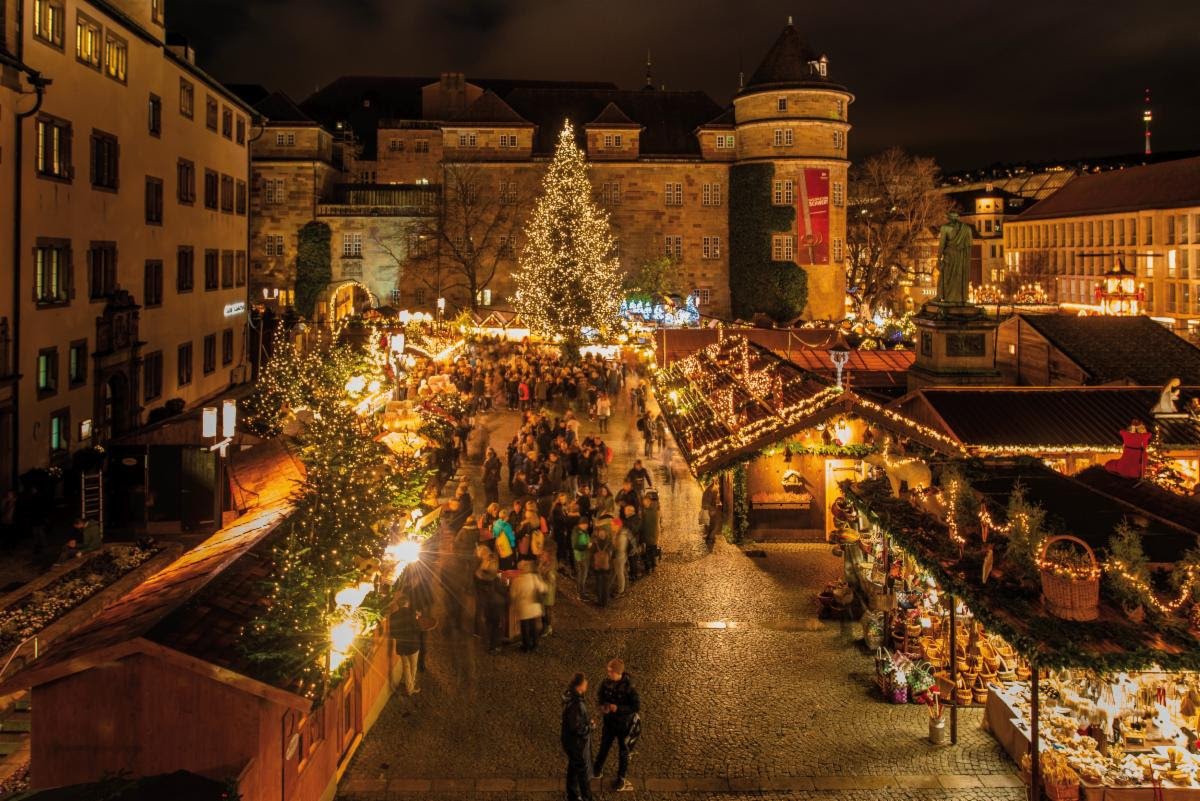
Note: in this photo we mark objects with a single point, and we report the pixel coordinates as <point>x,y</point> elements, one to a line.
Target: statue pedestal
<point>956,346</point>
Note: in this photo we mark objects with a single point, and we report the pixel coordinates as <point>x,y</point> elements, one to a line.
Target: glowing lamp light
<point>405,317</point>
<point>342,635</point>
<point>356,384</point>
<point>228,417</point>
<point>397,343</point>
<point>350,596</point>
<point>406,551</point>
<point>674,396</point>
<point>208,421</point>
<point>373,387</point>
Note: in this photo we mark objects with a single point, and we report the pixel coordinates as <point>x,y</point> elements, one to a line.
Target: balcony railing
<point>379,200</point>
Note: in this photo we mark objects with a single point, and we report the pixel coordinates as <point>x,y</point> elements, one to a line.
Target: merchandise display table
<point>1011,729</point>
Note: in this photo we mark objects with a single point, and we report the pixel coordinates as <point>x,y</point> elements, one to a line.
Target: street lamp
<point>839,354</point>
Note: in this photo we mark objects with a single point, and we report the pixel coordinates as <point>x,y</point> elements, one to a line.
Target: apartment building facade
<point>132,265</point>
<point>1144,218</point>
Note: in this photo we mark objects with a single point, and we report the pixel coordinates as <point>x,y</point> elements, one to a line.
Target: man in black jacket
<point>577,739</point>
<point>620,703</point>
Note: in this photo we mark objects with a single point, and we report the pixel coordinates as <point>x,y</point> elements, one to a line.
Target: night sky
<point>970,82</point>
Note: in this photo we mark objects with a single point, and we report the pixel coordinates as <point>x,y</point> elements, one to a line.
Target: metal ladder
<point>92,498</point>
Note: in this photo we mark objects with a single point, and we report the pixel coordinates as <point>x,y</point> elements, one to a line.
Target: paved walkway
<point>744,692</point>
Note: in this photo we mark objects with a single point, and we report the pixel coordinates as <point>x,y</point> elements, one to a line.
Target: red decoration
<point>1132,463</point>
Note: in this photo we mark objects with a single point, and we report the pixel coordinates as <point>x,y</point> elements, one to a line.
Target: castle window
<point>783,193</point>
<point>610,193</point>
<point>725,141</point>
<point>396,145</point>
<point>273,245</point>
<point>783,247</point>
<point>508,140</point>
<point>467,139</point>
<point>612,141</point>
<point>839,193</point>
<point>352,245</point>
<point>274,190</point>
<point>287,139</point>
<point>839,140</point>
<point>49,19</point>
<point>508,192</point>
<point>87,41</point>
<point>783,137</point>
<point>841,109</point>
<point>837,249</point>
<point>781,104</point>
<point>703,296</point>
<point>711,195</point>
<point>673,246</point>
<point>673,194</point>
<point>711,247</point>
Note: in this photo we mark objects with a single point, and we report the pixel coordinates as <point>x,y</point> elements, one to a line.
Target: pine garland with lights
<point>567,277</point>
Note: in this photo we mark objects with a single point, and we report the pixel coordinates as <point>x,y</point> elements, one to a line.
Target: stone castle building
<point>424,183</point>
<point>124,192</point>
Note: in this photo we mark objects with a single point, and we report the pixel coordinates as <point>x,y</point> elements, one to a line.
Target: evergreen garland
<point>741,504</point>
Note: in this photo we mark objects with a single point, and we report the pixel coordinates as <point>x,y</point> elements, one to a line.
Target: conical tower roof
<point>789,63</point>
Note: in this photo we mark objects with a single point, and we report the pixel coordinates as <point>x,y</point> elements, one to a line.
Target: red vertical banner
<point>812,217</point>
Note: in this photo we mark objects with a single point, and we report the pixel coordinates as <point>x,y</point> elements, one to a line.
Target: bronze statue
<point>954,262</point>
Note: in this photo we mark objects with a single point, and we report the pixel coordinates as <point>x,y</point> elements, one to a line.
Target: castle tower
<point>791,122</point>
<point>1147,118</point>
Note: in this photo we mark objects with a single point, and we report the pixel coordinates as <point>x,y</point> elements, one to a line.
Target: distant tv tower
<point>1147,117</point>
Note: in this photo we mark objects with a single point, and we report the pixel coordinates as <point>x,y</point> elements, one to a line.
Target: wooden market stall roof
<point>132,623</point>
<point>731,399</point>
<point>1038,420</point>
<point>1012,608</point>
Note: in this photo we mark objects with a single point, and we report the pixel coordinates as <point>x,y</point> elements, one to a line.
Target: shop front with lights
<point>1082,631</point>
<point>783,437</point>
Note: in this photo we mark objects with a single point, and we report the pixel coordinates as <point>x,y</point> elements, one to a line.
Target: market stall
<point>1094,593</point>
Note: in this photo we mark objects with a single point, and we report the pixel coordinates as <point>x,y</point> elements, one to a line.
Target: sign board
<point>812,217</point>
<point>234,309</point>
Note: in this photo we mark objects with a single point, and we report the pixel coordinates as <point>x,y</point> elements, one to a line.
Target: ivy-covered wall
<point>314,266</point>
<point>758,284</point>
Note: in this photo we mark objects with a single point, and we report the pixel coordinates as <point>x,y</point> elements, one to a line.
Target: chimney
<point>179,45</point>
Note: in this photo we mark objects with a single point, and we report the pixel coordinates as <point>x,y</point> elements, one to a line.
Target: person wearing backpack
<point>620,704</point>
<point>602,555</point>
<point>505,540</point>
<point>581,546</point>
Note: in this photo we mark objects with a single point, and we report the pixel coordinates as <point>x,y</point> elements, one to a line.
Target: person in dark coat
<point>491,477</point>
<point>577,739</point>
<point>406,639</point>
<point>619,702</point>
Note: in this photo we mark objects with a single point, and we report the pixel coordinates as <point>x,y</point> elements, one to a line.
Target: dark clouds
<point>969,82</point>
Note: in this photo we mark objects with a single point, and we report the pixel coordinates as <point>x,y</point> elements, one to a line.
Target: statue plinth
<point>956,346</point>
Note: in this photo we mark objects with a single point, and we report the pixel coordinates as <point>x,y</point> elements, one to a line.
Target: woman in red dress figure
<point>1132,463</point>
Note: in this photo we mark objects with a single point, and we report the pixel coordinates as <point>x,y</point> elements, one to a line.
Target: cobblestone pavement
<point>745,694</point>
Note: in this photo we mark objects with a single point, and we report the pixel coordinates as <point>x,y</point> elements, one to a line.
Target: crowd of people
<point>560,517</point>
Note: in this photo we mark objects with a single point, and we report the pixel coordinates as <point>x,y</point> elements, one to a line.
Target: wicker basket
<point>1071,598</point>
<point>1062,792</point>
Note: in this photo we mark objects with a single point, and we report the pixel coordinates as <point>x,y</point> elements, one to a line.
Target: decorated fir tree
<point>567,278</point>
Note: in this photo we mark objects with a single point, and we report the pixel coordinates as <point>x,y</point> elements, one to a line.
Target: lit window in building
<point>87,41</point>
<point>711,247</point>
<point>49,18</point>
<point>783,247</point>
<point>352,244</point>
<point>116,57</point>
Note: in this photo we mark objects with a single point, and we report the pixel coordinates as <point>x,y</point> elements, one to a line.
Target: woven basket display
<point>1070,597</point>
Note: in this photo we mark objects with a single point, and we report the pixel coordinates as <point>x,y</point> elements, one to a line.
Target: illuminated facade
<point>442,149</point>
<point>131,273</point>
<point>1145,218</point>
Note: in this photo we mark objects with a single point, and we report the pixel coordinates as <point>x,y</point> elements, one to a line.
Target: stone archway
<point>342,299</point>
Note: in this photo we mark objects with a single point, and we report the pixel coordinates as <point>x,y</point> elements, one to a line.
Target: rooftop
<point>1164,185</point>
<point>790,63</point>
<point>730,400</point>
<point>1132,350</point>
<point>1041,419</point>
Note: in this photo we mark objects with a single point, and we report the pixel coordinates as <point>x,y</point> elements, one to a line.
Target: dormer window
<point>823,66</point>
<point>612,141</point>
<point>781,104</point>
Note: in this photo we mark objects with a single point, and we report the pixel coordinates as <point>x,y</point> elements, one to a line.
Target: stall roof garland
<point>731,399</point>
<point>1111,643</point>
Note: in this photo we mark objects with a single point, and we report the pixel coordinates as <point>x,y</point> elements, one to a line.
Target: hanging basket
<point>1071,597</point>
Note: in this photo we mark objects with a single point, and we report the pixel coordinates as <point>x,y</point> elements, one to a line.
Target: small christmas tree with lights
<point>567,278</point>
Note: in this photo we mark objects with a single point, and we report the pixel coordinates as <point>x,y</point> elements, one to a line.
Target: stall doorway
<point>116,404</point>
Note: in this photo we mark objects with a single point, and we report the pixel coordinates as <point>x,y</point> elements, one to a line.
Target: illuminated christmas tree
<point>567,278</point>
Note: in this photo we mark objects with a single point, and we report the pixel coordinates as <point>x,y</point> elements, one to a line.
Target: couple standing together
<point>618,700</point>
